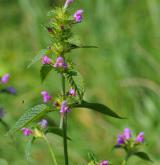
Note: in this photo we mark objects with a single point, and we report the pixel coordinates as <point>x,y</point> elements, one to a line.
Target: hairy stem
<point>51,151</point>
<point>65,124</point>
<point>126,159</point>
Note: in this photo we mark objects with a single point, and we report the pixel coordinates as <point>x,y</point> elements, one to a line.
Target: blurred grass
<point>122,73</point>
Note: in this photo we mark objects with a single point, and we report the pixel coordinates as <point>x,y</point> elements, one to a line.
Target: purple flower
<point>72,92</point>
<point>127,133</point>
<point>60,63</point>
<point>64,107</point>
<point>43,123</point>
<point>140,138</point>
<point>46,96</point>
<point>105,162</point>
<point>120,139</point>
<point>4,79</point>
<point>1,112</point>
<point>78,15</point>
<point>11,90</point>
<point>26,131</point>
<point>67,3</point>
<point>45,60</point>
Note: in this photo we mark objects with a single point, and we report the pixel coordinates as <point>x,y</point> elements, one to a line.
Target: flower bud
<point>4,79</point>
<point>72,92</point>
<point>67,3</point>
<point>105,162</point>
<point>37,133</point>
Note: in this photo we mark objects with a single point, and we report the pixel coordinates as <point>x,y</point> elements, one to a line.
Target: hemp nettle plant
<point>56,57</point>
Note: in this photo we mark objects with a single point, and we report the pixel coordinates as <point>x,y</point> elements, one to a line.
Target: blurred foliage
<point>122,73</point>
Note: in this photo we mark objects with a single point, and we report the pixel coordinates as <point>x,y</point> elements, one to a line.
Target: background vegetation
<point>122,73</point>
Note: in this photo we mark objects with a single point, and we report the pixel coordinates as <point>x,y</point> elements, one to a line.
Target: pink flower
<point>122,138</point>
<point>67,3</point>
<point>4,79</point>
<point>43,123</point>
<point>64,107</point>
<point>140,138</point>
<point>26,131</point>
<point>46,96</point>
<point>78,15</point>
<point>127,133</point>
<point>45,60</point>
<point>60,63</point>
<point>72,92</point>
<point>105,162</point>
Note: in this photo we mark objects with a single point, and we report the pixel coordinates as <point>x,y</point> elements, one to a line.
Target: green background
<point>122,73</point>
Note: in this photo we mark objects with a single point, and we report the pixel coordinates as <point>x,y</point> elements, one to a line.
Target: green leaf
<point>73,46</point>
<point>30,115</point>
<point>28,148</point>
<point>45,69</point>
<point>97,107</point>
<point>143,156</point>
<point>91,163</point>
<point>75,80</point>
<point>92,157</point>
<point>57,131</point>
<point>38,56</point>
<point>3,161</point>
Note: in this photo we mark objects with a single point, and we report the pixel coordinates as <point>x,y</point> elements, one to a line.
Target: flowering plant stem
<point>51,151</point>
<point>64,124</point>
<point>126,159</point>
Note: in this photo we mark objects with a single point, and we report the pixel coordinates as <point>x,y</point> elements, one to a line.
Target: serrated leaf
<point>45,69</point>
<point>97,107</point>
<point>56,131</point>
<point>75,80</point>
<point>143,156</point>
<point>28,148</point>
<point>39,56</point>
<point>30,115</point>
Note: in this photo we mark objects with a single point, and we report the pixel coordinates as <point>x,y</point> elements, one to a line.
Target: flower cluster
<point>61,104</point>
<point>126,137</point>
<point>37,130</point>
<point>61,32</point>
